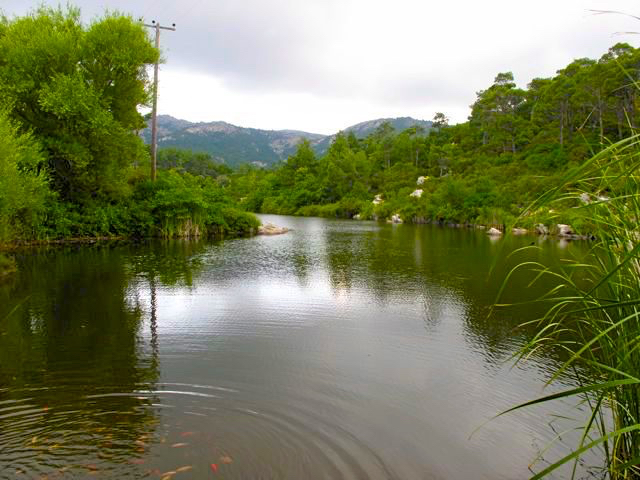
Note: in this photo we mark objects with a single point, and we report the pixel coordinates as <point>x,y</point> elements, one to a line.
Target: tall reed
<point>595,309</point>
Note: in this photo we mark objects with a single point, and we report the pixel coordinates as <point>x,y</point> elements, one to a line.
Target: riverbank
<point>559,230</point>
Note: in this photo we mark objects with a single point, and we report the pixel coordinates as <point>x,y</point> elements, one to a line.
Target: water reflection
<point>71,343</point>
<point>339,350</point>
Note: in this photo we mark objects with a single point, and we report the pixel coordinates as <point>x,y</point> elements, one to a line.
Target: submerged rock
<point>494,232</point>
<point>271,229</point>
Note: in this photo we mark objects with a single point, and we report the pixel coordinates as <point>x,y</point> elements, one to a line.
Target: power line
<point>154,112</point>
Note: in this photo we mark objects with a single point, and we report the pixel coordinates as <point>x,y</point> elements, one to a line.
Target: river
<point>341,349</point>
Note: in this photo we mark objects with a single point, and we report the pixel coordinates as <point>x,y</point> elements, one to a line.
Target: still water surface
<point>339,350</point>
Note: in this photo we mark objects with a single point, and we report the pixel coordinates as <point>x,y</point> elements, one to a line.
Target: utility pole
<point>154,111</point>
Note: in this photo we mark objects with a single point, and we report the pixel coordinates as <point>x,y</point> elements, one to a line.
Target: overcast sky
<point>322,65</point>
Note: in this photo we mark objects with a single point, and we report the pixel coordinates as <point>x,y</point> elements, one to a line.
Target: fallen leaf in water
<point>169,474</point>
<point>214,467</point>
<point>45,408</point>
<point>226,459</point>
<point>187,434</point>
<point>141,443</point>
<point>34,439</point>
<point>137,461</point>
<point>186,468</point>
<point>178,445</point>
<point>168,477</point>
<point>92,467</point>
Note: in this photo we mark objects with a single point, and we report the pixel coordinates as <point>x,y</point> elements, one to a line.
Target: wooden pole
<point>154,110</point>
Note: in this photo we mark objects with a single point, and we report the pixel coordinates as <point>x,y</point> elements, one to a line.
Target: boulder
<point>542,229</point>
<point>271,229</point>
<point>494,232</point>
<point>564,230</point>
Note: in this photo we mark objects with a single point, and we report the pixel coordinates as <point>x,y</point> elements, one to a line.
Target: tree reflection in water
<point>77,371</point>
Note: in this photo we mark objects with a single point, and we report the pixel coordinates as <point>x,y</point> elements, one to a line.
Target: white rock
<point>395,218</point>
<point>356,216</point>
<point>564,230</point>
<point>494,232</point>
<point>542,229</point>
<point>520,231</point>
<point>271,229</point>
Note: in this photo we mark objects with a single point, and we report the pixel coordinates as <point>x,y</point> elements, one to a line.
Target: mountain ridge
<point>235,145</point>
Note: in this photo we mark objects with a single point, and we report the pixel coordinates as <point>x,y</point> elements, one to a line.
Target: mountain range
<point>234,145</point>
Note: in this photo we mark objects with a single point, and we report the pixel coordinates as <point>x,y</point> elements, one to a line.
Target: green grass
<point>595,310</point>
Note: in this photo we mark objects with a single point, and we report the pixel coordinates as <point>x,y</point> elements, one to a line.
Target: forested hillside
<point>517,144</point>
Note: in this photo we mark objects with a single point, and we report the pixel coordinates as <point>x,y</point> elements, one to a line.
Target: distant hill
<point>364,129</point>
<point>235,145</point>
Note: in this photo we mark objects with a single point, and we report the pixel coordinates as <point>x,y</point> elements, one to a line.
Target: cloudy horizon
<point>321,66</point>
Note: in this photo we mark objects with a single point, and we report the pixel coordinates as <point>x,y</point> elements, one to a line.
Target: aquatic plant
<point>594,315</point>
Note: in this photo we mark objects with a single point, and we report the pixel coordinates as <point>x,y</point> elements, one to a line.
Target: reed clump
<point>595,310</point>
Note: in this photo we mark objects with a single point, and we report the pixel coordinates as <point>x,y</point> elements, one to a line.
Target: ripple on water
<point>128,434</point>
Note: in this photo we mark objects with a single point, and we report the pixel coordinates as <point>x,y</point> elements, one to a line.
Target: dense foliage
<point>517,144</point>
<point>71,163</point>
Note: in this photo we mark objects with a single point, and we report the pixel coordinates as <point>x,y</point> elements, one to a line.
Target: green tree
<point>23,190</point>
<point>78,88</point>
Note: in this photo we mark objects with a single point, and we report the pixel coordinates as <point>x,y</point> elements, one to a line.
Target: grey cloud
<point>296,46</point>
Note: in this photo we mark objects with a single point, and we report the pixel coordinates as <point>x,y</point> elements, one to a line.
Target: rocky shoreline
<point>560,230</point>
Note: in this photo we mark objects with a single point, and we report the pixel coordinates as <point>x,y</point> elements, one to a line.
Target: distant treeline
<point>517,144</point>
<point>71,163</point>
